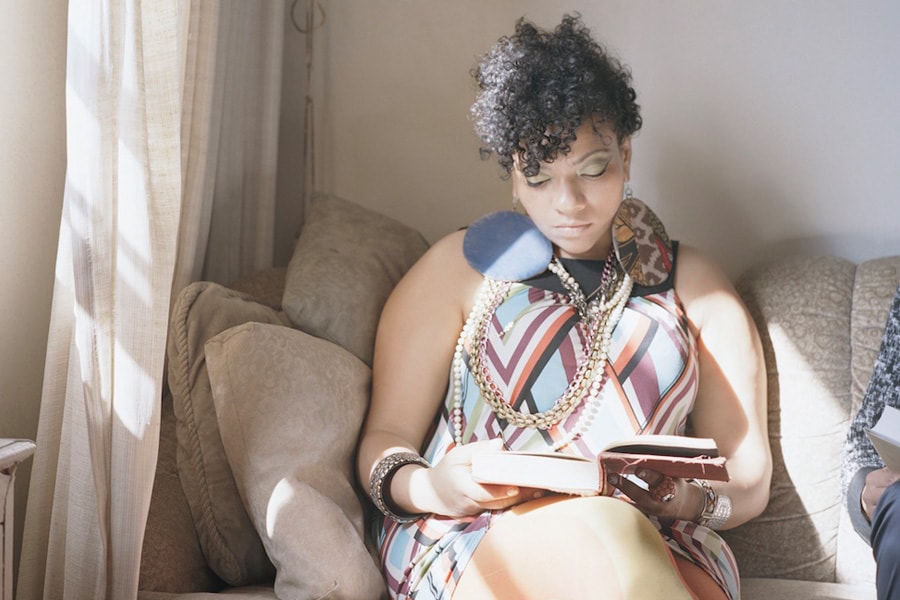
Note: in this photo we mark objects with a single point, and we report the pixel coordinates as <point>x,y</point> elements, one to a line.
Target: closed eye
<point>594,174</point>
<point>594,169</point>
<point>535,182</point>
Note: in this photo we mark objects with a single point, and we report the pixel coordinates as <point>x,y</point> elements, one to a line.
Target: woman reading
<point>561,329</point>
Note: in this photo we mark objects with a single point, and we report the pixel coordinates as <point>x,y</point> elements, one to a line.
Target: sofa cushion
<point>787,589</point>
<point>802,309</point>
<point>171,557</point>
<point>266,286</point>
<point>346,262</point>
<point>226,534</point>
<point>290,407</point>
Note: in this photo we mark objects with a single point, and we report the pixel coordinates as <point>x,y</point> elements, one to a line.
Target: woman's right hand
<point>876,482</point>
<point>447,488</point>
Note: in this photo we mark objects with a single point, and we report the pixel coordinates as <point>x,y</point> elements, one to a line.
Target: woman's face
<point>574,199</point>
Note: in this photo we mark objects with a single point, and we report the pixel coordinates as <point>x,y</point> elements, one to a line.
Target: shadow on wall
<point>736,221</point>
<point>706,202</point>
<point>856,248</point>
<point>728,186</point>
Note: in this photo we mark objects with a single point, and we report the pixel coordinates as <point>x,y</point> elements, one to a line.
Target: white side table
<point>12,452</point>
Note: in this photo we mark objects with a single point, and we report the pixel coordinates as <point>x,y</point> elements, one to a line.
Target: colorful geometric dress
<point>535,342</point>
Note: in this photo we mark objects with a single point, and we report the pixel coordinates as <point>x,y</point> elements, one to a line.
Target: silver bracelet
<point>381,479</point>
<point>716,507</point>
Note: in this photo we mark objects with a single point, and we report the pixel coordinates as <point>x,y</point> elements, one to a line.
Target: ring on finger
<point>664,491</point>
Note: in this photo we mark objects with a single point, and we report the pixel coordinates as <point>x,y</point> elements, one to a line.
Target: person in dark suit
<point>873,490</point>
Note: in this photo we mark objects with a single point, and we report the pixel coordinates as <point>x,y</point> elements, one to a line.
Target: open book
<point>676,456</point>
<point>885,436</point>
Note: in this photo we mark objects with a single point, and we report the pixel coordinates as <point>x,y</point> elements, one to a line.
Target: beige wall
<point>769,125</point>
<point>32,171</point>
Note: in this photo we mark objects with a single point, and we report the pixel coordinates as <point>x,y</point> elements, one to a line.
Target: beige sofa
<point>268,383</point>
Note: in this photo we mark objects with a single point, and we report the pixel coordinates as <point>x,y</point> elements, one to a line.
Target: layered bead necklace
<point>599,314</point>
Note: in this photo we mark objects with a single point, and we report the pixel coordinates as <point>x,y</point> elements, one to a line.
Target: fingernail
<point>613,479</point>
<point>512,492</point>
<point>642,473</point>
<point>537,494</point>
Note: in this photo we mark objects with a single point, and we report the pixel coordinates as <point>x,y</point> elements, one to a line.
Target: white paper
<point>885,436</point>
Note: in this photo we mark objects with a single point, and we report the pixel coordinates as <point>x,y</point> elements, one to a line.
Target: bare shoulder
<point>445,254</point>
<point>703,287</point>
<point>441,278</point>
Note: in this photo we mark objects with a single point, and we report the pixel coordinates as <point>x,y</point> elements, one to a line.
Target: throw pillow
<point>226,534</point>
<point>345,264</point>
<point>290,407</point>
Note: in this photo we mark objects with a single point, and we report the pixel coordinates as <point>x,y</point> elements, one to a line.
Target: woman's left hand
<point>670,497</point>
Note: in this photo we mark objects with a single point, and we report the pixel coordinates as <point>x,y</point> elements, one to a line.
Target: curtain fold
<point>203,98</point>
<point>231,119</point>
<point>99,428</point>
<point>241,230</point>
<point>160,160</point>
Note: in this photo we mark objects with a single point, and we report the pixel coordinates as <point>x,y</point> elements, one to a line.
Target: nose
<point>569,198</point>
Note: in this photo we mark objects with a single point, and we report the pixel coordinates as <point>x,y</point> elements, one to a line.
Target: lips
<point>570,229</point>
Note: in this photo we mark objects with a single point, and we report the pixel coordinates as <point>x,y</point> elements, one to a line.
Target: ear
<point>515,177</point>
<point>625,151</point>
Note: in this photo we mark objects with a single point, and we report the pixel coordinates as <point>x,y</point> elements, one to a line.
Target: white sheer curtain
<point>231,116</point>
<point>166,173</point>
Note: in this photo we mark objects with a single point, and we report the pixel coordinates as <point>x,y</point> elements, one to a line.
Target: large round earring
<point>641,244</point>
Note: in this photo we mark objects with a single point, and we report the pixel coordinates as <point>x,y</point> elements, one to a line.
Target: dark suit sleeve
<point>854,491</point>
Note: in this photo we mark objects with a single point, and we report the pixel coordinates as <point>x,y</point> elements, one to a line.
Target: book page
<point>666,445</point>
<point>885,436</point>
<point>558,472</point>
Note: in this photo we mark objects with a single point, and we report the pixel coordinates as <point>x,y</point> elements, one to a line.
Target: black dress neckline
<point>587,273</point>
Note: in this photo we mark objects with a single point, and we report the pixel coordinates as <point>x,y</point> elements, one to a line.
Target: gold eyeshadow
<point>594,168</point>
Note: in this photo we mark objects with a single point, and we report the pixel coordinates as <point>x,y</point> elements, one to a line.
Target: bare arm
<point>416,338</point>
<point>731,403</point>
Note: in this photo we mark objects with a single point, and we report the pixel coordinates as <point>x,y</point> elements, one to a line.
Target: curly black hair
<point>535,88</point>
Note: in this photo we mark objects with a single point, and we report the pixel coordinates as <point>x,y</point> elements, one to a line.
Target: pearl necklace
<point>600,317</point>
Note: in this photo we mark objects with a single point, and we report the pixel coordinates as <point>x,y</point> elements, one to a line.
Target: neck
<point>599,252</point>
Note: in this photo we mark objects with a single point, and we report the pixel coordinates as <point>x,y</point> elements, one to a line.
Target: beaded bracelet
<point>381,479</point>
<point>716,507</point>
